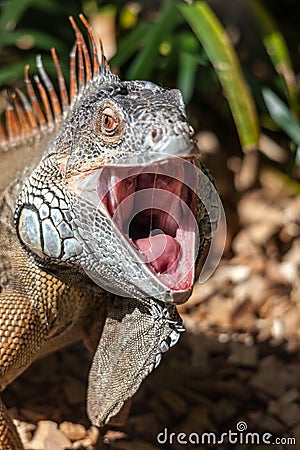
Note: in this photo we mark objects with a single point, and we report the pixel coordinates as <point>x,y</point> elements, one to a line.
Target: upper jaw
<point>179,146</point>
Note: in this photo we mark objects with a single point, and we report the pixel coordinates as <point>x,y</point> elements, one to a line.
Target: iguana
<point>104,216</point>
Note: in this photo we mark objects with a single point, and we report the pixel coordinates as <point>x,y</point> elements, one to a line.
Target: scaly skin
<point>69,267</point>
<point>37,311</point>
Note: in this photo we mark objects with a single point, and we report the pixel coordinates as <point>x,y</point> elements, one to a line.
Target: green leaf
<point>280,113</point>
<point>188,42</point>
<point>187,75</point>
<point>277,49</point>
<point>222,55</point>
<point>297,157</point>
<point>143,65</point>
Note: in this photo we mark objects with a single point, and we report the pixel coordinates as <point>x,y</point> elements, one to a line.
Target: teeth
<point>157,360</point>
<point>174,336</point>
<point>164,346</point>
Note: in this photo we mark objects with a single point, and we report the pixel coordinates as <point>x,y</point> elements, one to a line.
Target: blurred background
<point>237,65</point>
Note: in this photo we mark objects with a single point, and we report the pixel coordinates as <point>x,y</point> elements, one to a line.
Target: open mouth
<point>154,208</point>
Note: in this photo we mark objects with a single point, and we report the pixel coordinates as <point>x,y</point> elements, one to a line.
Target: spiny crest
<point>25,116</point>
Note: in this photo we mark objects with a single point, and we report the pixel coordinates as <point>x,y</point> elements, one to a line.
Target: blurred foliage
<point>278,51</point>
<point>221,53</point>
<point>282,115</point>
<point>28,27</point>
<point>204,48</point>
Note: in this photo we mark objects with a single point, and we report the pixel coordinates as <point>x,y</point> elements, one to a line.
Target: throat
<point>153,232</point>
<point>151,222</point>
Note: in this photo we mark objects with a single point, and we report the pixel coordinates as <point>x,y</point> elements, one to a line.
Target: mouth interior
<point>154,209</point>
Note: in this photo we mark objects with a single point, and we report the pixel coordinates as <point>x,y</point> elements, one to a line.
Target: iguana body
<point>74,262</point>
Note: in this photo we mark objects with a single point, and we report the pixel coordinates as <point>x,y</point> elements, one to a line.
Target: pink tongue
<point>161,251</point>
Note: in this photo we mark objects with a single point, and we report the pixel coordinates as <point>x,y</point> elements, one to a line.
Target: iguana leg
<point>24,305</point>
<point>34,306</point>
<point>9,438</point>
<point>23,327</point>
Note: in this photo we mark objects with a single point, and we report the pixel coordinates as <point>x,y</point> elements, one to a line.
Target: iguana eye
<point>109,124</point>
<point>109,121</point>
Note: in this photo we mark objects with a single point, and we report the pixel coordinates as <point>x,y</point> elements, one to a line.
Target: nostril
<point>156,135</point>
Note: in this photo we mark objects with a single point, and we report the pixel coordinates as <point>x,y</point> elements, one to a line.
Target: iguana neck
<point>17,161</point>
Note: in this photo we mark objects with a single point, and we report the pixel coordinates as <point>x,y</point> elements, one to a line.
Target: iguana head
<point>117,191</point>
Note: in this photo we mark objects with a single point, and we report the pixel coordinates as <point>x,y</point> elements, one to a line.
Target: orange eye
<point>108,122</point>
